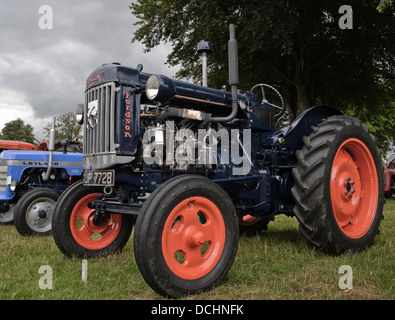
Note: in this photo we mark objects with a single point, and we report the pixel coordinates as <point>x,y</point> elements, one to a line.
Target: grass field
<point>275,265</point>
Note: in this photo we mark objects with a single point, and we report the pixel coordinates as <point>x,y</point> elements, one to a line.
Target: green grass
<point>275,265</point>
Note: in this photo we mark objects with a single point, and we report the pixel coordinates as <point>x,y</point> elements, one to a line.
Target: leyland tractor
<point>188,165</point>
<point>32,180</point>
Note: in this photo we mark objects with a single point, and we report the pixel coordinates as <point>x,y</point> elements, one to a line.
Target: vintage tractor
<point>31,182</point>
<point>20,145</point>
<point>191,162</point>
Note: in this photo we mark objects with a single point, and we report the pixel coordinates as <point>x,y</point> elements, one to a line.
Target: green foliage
<point>381,124</point>
<point>17,130</point>
<point>384,4</point>
<point>297,46</point>
<point>66,128</point>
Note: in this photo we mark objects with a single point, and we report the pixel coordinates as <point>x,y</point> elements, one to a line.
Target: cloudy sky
<point>43,71</point>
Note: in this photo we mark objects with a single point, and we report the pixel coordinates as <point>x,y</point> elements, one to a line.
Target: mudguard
<point>301,126</point>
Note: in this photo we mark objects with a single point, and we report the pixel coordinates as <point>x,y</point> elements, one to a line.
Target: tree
<point>17,130</point>
<point>297,46</point>
<point>384,4</point>
<point>381,124</point>
<point>66,128</point>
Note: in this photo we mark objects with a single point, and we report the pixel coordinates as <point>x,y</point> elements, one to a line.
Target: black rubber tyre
<point>159,220</point>
<point>336,213</point>
<point>33,212</point>
<point>72,214</point>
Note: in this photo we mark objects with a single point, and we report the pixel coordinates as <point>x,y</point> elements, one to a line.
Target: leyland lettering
<point>39,163</point>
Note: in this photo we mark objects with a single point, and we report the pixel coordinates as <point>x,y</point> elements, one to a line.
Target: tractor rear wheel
<point>339,186</point>
<point>186,236</point>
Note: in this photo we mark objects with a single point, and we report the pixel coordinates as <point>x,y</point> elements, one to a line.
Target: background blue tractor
<point>31,182</point>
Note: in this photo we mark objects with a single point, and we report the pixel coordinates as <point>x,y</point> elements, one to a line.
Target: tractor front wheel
<point>75,232</point>
<point>34,210</point>
<point>186,236</point>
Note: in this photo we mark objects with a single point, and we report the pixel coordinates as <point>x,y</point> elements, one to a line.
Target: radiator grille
<point>3,177</point>
<point>99,122</point>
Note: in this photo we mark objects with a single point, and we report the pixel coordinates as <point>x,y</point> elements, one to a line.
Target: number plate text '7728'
<point>99,178</point>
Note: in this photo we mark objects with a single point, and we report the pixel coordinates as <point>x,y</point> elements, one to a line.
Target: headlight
<point>159,88</point>
<point>152,87</point>
<point>13,185</point>
<point>79,113</point>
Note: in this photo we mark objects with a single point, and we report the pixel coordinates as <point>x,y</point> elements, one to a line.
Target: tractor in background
<point>32,179</point>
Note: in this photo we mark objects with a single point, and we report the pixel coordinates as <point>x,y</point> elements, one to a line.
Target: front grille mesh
<point>99,139</point>
<point>3,177</point>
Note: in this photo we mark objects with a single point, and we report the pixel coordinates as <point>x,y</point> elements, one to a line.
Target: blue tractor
<point>191,164</point>
<point>31,182</point>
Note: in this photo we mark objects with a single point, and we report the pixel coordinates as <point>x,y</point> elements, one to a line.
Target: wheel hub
<point>198,238</point>
<point>195,231</point>
<point>95,224</point>
<point>39,214</point>
<point>354,188</point>
<point>88,230</point>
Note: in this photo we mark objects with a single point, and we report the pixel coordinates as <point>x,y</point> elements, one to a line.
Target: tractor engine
<point>142,129</point>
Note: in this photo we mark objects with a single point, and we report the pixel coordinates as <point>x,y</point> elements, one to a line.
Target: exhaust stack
<point>233,76</point>
<point>204,48</point>
<point>52,134</point>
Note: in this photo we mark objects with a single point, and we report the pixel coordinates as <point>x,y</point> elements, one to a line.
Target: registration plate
<point>99,178</point>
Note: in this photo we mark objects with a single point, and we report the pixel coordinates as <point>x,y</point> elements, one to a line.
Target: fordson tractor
<point>31,182</point>
<point>189,162</point>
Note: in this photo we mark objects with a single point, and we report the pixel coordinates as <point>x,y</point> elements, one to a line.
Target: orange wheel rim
<point>354,188</point>
<point>193,238</point>
<point>86,233</point>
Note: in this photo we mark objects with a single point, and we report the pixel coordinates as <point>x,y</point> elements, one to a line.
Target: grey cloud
<point>49,67</point>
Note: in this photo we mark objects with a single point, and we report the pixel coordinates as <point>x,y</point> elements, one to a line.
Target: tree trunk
<point>303,78</point>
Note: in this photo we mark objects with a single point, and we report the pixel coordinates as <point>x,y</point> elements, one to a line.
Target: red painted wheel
<point>86,233</point>
<point>354,188</point>
<point>339,191</point>
<point>186,236</point>
<point>73,229</point>
<point>193,238</point>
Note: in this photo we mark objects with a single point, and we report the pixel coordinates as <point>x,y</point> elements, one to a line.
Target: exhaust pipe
<point>51,148</point>
<point>233,75</point>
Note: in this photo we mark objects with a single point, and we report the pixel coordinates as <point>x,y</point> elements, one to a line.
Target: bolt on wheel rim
<point>193,238</point>
<point>86,233</point>
<point>354,188</point>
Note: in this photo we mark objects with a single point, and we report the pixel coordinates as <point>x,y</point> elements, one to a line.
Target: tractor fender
<point>301,126</point>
